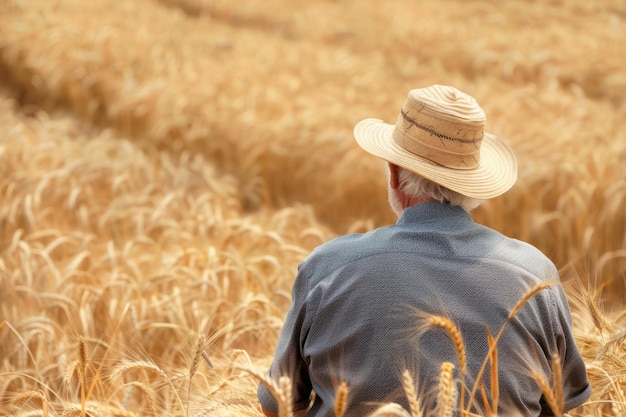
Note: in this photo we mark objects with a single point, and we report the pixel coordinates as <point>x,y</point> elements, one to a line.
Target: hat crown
<point>443,125</point>
<point>450,103</point>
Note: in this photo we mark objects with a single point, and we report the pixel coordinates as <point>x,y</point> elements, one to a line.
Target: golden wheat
<point>341,398</point>
<point>530,293</point>
<point>446,391</point>
<point>285,400</point>
<point>457,339</point>
<point>493,374</point>
<point>390,410</point>
<point>161,159</point>
<point>557,382</point>
<point>411,394</point>
<point>548,393</point>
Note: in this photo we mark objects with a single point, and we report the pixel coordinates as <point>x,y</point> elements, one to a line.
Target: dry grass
<point>165,165</point>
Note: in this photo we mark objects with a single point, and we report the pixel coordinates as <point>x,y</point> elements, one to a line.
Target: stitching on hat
<point>406,117</point>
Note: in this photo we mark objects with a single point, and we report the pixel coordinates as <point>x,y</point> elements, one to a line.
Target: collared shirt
<point>353,317</point>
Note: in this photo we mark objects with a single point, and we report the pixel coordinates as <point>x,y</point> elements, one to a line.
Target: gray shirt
<point>350,319</point>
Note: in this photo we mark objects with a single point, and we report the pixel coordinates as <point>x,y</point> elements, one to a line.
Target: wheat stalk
<point>489,412</point>
<point>493,375</point>
<point>530,293</point>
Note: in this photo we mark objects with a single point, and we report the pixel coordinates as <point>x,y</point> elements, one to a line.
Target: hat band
<point>430,144</point>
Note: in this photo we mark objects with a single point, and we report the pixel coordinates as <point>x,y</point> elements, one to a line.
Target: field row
<point>514,43</point>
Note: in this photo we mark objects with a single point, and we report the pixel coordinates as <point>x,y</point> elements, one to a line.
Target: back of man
<point>353,317</point>
<point>359,301</point>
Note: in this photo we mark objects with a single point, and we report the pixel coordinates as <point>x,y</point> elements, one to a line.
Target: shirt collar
<point>433,212</point>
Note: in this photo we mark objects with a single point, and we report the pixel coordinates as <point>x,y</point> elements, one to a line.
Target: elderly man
<point>358,299</point>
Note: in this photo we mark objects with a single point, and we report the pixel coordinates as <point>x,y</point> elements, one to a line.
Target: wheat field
<point>166,164</point>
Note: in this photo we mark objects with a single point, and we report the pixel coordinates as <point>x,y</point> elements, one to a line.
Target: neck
<point>413,201</point>
<point>399,201</point>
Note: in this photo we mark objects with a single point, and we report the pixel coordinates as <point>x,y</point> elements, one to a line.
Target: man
<point>358,299</point>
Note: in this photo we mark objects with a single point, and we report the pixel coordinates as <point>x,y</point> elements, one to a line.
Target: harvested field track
<point>166,164</point>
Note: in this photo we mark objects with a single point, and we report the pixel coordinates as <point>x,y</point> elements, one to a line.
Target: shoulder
<point>519,253</point>
<point>341,251</point>
<point>535,260</point>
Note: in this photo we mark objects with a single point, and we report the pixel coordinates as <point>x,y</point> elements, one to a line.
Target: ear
<point>394,176</point>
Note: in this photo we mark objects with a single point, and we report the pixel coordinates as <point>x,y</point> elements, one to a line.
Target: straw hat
<point>439,135</point>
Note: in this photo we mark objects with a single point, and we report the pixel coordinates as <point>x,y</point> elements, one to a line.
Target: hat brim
<point>495,174</point>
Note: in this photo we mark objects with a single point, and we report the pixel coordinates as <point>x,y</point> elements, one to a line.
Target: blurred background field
<point>166,164</point>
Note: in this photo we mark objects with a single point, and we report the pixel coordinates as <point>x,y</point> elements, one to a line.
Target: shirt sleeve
<point>288,359</point>
<point>576,387</point>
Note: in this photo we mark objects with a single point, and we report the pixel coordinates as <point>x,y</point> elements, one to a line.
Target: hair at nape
<point>418,186</point>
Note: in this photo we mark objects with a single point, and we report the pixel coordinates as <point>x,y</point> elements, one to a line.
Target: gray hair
<point>417,186</point>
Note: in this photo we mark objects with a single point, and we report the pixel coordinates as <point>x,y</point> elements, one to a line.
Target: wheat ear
<point>557,382</point>
<point>72,411</point>
<point>446,395</point>
<point>266,381</point>
<point>390,410</point>
<point>151,366</point>
<point>597,317</point>
<point>448,325</point>
<point>136,365</point>
<point>198,354</point>
<point>195,363</point>
<point>341,399</point>
<point>148,393</point>
<point>281,391</point>
<point>527,296</point>
<point>28,395</point>
<point>552,393</point>
<point>82,358</point>
<point>285,401</point>
<point>457,339</point>
<point>548,393</point>
<point>411,394</point>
